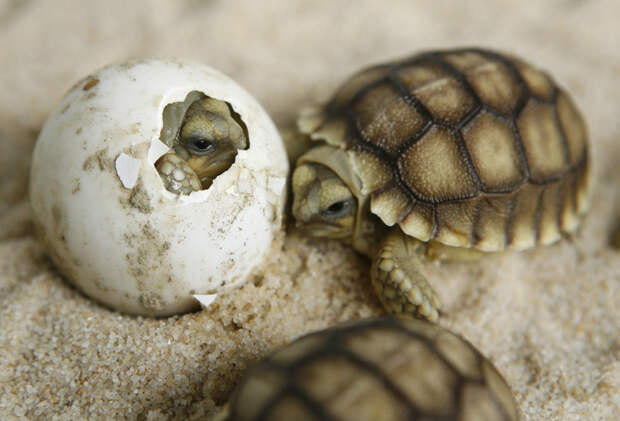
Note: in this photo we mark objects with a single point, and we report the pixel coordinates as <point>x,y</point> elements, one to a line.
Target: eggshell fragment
<point>102,210</point>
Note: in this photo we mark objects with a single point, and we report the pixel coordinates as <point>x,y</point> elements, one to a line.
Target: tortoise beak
<point>207,167</point>
<point>322,229</point>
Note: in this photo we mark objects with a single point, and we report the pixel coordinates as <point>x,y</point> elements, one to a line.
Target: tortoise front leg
<point>177,175</point>
<point>396,276</point>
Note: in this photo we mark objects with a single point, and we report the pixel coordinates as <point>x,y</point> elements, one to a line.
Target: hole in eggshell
<point>204,135</point>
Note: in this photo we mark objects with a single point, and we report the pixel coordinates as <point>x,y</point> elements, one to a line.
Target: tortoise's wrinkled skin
<point>204,135</point>
<point>464,148</point>
<point>376,369</point>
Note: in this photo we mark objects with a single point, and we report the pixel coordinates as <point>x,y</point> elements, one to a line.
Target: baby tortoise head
<point>204,146</point>
<point>323,204</point>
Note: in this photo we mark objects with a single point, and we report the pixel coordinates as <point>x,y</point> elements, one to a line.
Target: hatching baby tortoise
<point>376,369</point>
<point>460,152</point>
<point>204,135</point>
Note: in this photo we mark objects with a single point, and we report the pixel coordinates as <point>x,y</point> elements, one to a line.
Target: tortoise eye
<point>338,209</point>
<point>200,145</point>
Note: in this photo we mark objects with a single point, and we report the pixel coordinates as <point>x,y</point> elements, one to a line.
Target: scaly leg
<point>396,277</point>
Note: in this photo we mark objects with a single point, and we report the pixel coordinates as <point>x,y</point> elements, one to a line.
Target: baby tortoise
<point>204,134</point>
<point>376,369</point>
<point>443,155</point>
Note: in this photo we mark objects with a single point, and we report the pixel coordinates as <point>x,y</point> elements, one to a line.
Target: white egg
<point>104,214</point>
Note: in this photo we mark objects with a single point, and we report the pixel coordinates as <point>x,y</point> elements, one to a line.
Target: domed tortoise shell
<point>470,147</point>
<point>376,369</point>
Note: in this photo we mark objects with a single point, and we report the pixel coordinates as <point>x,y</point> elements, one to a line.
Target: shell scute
<point>496,86</point>
<point>464,61</point>
<point>434,170</point>
<point>490,136</point>
<point>542,142</point>
<point>549,227</point>
<point>415,76</point>
<point>377,346</point>
<point>500,390</point>
<point>420,222</point>
<point>524,221</point>
<point>446,99</point>
<point>327,377</point>
<point>582,186</point>
<point>573,126</point>
<point>456,222</point>
<point>263,386</point>
<point>569,218</point>
<point>335,132</point>
<point>462,357</point>
<point>392,204</point>
<point>374,172</point>
<point>385,119</point>
<point>490,228</point>
<point>538,82</point>
<point>478,404</point>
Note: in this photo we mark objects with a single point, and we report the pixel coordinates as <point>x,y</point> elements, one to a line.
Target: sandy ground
<point>549,318</point>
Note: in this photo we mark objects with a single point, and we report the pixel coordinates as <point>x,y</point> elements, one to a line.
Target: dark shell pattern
<point>375,369</point>
<point>471,147</point>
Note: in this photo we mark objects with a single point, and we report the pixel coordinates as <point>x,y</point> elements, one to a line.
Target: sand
<point>548,318</point>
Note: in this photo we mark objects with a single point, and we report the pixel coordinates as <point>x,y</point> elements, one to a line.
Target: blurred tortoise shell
<point>377,369</point>
<point>469,147</point>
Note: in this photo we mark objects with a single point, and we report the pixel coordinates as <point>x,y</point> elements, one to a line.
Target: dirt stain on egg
<point>91,83</point>
<point>99,159</point>
<point>149,253</point>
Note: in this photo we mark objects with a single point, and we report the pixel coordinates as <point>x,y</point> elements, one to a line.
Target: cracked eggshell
<point>103,212</point>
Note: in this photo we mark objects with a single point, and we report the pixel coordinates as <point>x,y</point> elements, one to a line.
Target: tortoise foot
<point>177,175</point>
